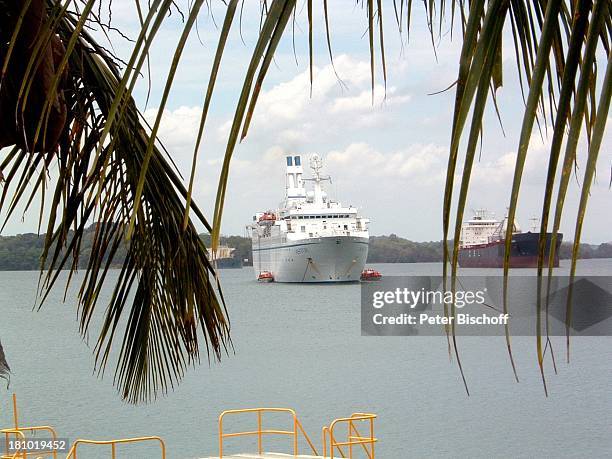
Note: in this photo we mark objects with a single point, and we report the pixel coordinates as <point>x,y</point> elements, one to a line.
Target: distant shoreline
<point>22,252</point>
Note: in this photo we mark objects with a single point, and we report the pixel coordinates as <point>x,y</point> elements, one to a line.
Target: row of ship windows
<point>305,217</point>
<point>303,228</point>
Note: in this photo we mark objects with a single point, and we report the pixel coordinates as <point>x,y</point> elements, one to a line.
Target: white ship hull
<point>318,259</point>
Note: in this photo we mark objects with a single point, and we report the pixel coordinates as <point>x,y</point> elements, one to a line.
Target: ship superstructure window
<point>298,161</point>
<point>290,161</point>
<point>303,217</point>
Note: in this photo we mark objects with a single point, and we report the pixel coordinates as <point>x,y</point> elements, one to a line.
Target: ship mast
<point>316,164</point>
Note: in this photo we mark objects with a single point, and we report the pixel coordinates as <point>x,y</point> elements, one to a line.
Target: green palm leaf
<point>599,127</point>
<point>541,64</point>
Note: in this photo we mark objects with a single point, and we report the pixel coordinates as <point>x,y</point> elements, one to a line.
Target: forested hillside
<point>22,252</point>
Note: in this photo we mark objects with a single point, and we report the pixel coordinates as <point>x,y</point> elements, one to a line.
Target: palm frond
<point>599,127</point>
<point>485,71</point>
<point>165,298</point>
<point>549,29</point>
<point>540,31</point>
<point>5,370</point>
<point>581,98</point>
<point>227,24</point>
<point>570,68</point>
<point>274,24</point>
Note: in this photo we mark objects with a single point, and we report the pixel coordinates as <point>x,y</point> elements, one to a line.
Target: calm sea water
<point>300,346</point>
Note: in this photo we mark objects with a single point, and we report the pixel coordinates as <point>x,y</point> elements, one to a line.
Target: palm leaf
<point>268,27</point>
<point>165,300</point>
<point>310,46</point>
<point>17,28</point>
<point>589,173</point>
<point>600,9</point>
<point>265,65</point>
<point>534,35</point>
<point>577,34</point>
<point>535,92</point>
<point>486,73</point>
<point>5,370</point>
<point>370,7</point>
<point>227,24</point>
<point>193,14</point>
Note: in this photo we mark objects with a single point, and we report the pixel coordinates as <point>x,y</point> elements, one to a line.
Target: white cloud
<point>287,112</point>
<point>178,128</point>
<point>420,163</point>
<point>364,101</point>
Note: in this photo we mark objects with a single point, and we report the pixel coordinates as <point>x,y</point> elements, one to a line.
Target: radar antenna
<point>316,164</point>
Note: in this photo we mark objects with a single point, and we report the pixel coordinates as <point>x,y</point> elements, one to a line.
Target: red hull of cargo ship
<point>523,252</point>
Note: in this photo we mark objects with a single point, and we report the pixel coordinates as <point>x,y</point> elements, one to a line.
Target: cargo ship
<point>482,243</point>
<point>224,258</point>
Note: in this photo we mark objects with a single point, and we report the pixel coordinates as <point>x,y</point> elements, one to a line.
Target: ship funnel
<point>294,182</point>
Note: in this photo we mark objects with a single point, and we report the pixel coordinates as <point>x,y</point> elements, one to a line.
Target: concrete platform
<point>265,456</point>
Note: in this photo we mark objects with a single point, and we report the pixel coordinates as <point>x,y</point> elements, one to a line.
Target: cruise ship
<point>309,237</point>
<point>482,243</point>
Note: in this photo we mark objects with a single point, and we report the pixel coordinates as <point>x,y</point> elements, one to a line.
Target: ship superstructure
<point>309,237</point>
<point>482,228</point>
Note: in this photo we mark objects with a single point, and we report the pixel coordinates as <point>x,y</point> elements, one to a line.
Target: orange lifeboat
<point>370,274</point>
<point>265,276</point>
<point>267,217</point>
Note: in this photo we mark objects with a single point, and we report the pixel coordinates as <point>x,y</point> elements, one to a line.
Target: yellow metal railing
<point>260,432</point>
<point>19,453</point>
<point>16,431</point>
<point>72,454</point>
<point>354,438</point>
<point>23,453</point>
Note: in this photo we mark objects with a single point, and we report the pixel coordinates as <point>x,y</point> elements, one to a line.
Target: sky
<point>387,156</point>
